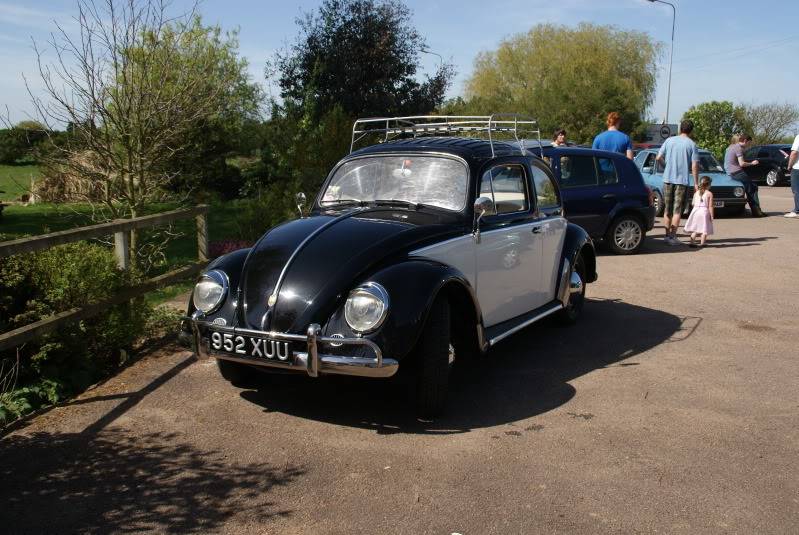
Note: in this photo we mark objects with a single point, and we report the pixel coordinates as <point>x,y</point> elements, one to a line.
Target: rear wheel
<point>435,354</point>
<point>625,235</point>
<point>773,177</point>
<point>658,204</point>
<point>574,306</point>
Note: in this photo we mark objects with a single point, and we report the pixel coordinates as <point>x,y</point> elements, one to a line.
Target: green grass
<point>15,180</point>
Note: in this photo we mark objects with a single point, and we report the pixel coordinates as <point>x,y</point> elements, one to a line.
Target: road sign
<point>657,133</point>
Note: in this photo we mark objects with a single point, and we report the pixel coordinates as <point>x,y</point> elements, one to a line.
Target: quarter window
<point>505,185</point>
<point>546,193</point>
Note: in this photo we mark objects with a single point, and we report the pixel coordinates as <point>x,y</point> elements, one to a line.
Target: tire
<point>236,373</point>
<point>659,208</point>
<point>625,235</point>
<point>574,308</point>
<point>433,356</point>
<point>773,178</point>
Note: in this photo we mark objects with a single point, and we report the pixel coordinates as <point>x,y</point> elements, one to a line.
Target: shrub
<point>60,364</point>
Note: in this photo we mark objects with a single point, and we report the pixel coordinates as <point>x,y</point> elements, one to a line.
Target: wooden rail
<point>121,229</point>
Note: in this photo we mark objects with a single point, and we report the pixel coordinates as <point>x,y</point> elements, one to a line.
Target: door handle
<point>609,196</point>
<point>536,230</point>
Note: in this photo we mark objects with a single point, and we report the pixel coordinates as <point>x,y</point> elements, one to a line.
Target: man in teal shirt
<point>682,161</point>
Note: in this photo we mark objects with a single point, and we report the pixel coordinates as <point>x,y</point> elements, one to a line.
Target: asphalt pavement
<point>672,407</point>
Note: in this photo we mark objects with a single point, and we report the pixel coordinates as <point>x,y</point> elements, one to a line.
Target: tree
<point>352,58</point>
<point>715,123</point>
<point>567,77</point>
<point>771,122</point>
<point>135,87</point>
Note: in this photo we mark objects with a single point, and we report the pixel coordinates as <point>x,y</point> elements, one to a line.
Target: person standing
<point>793,165</point>
<point>559,138</point>
<point>701,219</point>
<point>734,163</point>
<point>613,139</point>
<point>682,160</point>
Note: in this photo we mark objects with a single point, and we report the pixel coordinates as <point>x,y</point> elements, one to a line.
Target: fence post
<point>202,236</point>
<point>122,249</point>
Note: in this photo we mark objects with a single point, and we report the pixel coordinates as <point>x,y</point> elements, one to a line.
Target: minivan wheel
<point>625,235</point>
<point>773,177</point>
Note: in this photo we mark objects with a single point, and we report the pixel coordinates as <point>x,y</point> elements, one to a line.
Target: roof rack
<point>420,125</point>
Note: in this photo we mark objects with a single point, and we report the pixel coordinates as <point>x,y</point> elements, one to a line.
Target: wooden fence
<point>121,230</point>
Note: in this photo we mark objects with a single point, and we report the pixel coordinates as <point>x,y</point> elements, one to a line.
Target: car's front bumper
<point>312,361</point>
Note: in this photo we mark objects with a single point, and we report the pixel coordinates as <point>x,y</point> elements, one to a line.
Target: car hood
<point>312,264</point>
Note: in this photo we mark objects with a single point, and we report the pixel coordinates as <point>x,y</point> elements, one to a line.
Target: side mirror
<point>482,206</point>
<point>300,198</point>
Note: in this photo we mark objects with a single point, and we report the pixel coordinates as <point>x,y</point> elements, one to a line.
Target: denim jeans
<point>750,188</point>
<point>795,189</point>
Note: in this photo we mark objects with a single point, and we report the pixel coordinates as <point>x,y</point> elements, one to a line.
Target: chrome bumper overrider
<point>311,361</point>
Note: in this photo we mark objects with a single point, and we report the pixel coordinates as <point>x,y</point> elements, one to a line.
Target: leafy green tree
<point>771,122</point>
<point>353,58</point>
<point>567,77</point>
<point>715,123</point>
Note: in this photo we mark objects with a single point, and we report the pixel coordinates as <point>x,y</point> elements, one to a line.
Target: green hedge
<point>58,365</point>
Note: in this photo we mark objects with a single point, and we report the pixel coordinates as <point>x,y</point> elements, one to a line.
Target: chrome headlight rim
<point>738,191</point>
<point>219,277</point>
<point>377,291</point>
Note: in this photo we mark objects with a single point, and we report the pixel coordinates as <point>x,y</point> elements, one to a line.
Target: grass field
<point>16,180</point>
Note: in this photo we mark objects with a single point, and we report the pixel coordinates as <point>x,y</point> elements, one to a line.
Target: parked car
<point>416,252</point>
<point>728,194</point>
<point>772,167</point>
<point>604,193</point>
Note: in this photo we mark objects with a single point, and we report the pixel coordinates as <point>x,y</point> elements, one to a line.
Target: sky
<point>723,49</point>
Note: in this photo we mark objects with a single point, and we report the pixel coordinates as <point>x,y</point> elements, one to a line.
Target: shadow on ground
<point>113,482</point>
<point>526,375</point>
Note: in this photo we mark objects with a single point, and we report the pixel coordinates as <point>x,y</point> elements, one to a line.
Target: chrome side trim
<point>564,282</point>
<point>555,307</point>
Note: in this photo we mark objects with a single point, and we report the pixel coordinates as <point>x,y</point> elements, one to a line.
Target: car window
<point>505,185</point>
<point>763,153</point>
<point>709,164</point>
<point>607,171</point>
<point>749,154</point>
<point>546,193</point>
<point>577,171</point>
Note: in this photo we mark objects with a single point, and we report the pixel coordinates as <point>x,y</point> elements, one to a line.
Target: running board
<point>502,330</point>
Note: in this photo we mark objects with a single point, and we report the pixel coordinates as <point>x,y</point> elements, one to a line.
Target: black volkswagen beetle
<point>416,252</point>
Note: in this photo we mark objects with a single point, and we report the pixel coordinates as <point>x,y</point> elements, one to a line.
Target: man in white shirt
<point>793,165</point>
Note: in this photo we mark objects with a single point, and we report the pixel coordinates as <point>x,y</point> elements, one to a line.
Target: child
<point>701,219</point>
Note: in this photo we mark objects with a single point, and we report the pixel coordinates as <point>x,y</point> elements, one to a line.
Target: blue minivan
<point>604,193</point>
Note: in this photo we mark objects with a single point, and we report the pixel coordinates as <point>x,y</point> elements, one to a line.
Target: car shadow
<point>656,245</point>
<point>116,481</point>
<point>526,375</point>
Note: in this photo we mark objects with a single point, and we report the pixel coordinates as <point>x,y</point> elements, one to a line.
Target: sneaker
<point>674,241</point>
<point>791,214</point>
<point>669,240</point>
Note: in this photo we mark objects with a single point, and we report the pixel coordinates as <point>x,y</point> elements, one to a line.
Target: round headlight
<point>366,307</point>
<point>210,291</point>
<point>738,192</point>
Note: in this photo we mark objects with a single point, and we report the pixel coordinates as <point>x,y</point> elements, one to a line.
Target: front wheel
<point>626,235</point>
<point>435,355</point>
<point>773,177</point>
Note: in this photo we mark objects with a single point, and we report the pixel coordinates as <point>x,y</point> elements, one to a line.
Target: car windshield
<point>709,164</point>
<point>430,180</point>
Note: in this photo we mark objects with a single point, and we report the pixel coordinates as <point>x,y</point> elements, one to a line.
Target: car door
<point>588,203</point>
<point>757,172</point>
<point>549,212</point>
<point>508,256</point>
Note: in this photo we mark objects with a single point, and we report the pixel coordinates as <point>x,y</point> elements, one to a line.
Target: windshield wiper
<point>397,202</point>
<point>338,202</point>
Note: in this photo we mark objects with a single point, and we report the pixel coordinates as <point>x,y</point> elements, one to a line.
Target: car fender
<point>412,286</point>
<point>577,241</point>
<point>230,264</point>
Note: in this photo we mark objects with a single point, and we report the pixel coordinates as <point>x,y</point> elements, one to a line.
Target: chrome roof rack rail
<point>440,125</point>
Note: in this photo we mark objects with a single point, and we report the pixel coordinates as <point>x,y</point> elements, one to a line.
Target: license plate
<point>250,346</point>
<point>718,204</point>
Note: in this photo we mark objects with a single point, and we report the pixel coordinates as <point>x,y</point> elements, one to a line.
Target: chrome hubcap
<point>771,178</point>
<point>628,235</point>
<point>451,356</point>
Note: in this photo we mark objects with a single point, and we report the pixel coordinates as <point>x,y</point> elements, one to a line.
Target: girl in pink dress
<point>701,219</point>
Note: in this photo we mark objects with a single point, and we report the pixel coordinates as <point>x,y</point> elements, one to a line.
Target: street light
<point>425,50</point>
<point>671,54</point>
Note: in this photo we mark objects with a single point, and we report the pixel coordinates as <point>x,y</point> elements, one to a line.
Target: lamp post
<point>425,50</point>
<point>671,53</point>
